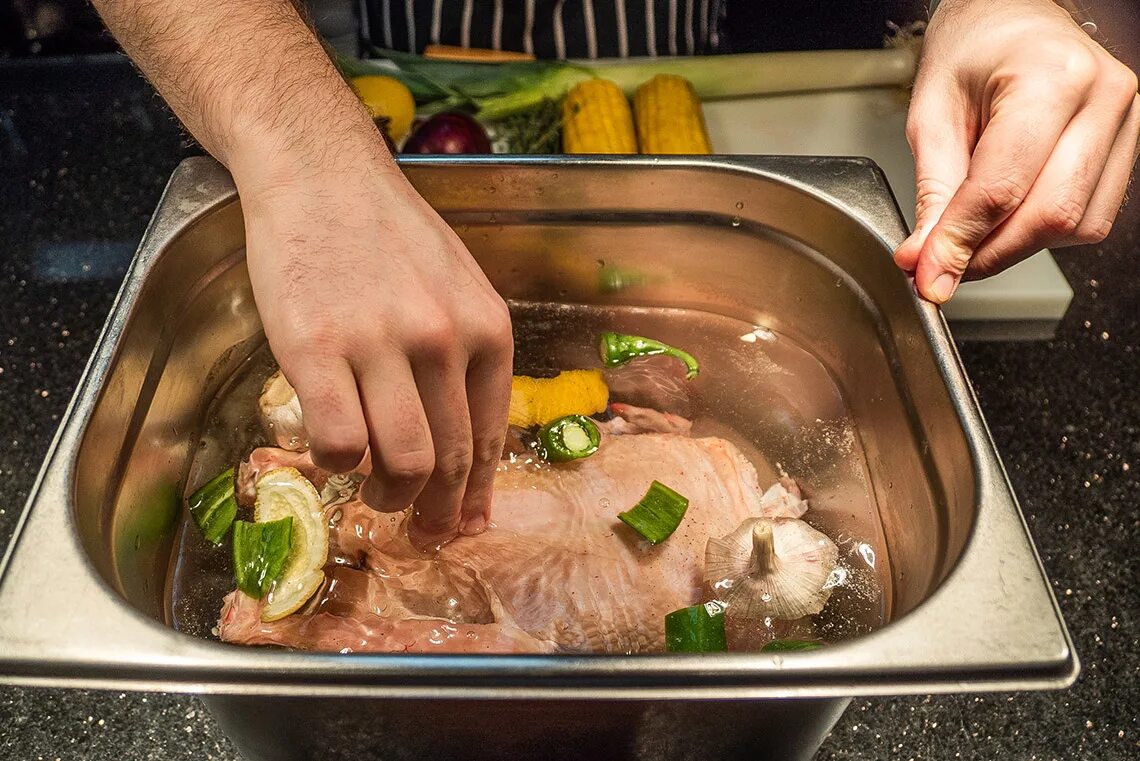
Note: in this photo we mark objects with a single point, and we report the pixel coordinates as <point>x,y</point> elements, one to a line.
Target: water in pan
<point>757,388</point>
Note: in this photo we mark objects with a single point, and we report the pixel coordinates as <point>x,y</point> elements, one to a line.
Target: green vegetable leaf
<point>214,507</point>
<point>260,552</point>
<point>658,513</point>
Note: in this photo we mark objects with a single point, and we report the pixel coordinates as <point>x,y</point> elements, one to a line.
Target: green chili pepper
<point>569,438</point>
<point>617,349</point>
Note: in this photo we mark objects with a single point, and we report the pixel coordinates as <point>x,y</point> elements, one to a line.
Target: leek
<point>498,90</point>
<point>658,514</point>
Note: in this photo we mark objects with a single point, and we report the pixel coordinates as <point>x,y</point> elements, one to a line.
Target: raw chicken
<point>556,570</point>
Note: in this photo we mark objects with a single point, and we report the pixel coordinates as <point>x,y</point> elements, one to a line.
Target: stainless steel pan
<point>801,245</point>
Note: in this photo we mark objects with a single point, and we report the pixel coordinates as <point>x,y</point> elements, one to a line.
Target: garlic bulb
<point>281,414</point>
<point>771,568</point>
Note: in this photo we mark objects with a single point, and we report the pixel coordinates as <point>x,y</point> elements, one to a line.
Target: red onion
<point>451,132</point>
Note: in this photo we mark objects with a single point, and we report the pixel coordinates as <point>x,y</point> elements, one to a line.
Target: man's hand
<point>1024,132</point>
<point>380,318</point>
<point>390,333</point>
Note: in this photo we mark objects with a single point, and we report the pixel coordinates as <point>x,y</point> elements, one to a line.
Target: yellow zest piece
<point>669,117</point>
<point>285,492</point>
<point>596,119</point>
<point>537,401</point>
<point>389,98</point>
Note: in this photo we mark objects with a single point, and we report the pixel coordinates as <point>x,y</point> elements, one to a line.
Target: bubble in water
<point>736,221</point>
<point>604,503</point>
<point>740,204</point>
<point>836,578</point>
<point>472,635</point>
<point>868,553</point>
<point>715,607</point>
<point>766,597</point>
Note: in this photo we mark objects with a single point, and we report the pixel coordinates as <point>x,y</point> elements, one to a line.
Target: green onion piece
<point>658,513</point>
<point>616,349</point>
<point>786,645</point>
<point>213,506</point>
<point>569,438</point>
<point>697,629</point>
<point>260,552</point>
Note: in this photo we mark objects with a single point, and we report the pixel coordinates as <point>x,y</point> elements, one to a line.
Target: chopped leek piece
<point>571,437</point>
<point>260,552</point>
<point>658,513</point>
<point>696,629</point>
<point>213,506</point>
<point>616,349</point>
<point>786,645</point>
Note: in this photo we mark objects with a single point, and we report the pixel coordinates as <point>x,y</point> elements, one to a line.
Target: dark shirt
<point>556,29</point>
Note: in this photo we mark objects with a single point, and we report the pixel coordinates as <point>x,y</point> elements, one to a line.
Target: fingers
<point>1109,196</point>
<point>1058,210</point>
<point>940,138</point>
<point>1009,155</point>
<point>399,438</point>
<point>334,421</point>
<point>431,448</point>
<point>489,394</point>
<point>441,383</point>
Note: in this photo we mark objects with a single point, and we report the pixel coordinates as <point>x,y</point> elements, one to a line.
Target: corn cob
<point>669,117</point>
<point>596,119</point>
<point>537,401</point>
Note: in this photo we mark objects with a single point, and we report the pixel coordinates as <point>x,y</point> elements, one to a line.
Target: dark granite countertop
<point>79,177</point>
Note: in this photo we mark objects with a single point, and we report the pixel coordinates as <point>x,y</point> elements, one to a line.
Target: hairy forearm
<point>249,80</point>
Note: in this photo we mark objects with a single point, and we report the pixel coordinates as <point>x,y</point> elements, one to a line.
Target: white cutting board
<point>1025,301</point>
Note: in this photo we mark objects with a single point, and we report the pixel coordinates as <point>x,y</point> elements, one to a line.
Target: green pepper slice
<point>260,552</point>
<point>214,507</point>
<point>571,437</point>
<point>696,629</point>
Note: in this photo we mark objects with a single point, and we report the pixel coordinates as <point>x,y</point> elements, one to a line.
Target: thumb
<point>940,141</point>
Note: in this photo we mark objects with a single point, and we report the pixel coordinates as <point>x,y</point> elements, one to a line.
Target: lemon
<point>284,492</point>
<point>387,97</point>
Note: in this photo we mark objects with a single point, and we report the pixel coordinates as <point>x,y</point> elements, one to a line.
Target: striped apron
<point>547,29</point>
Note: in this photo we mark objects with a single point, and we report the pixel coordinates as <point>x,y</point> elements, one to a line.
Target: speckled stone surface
<point>77,186</point>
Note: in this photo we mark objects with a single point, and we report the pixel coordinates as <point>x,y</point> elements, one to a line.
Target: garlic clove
<point>783,500</point>
<point>281,414</point>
